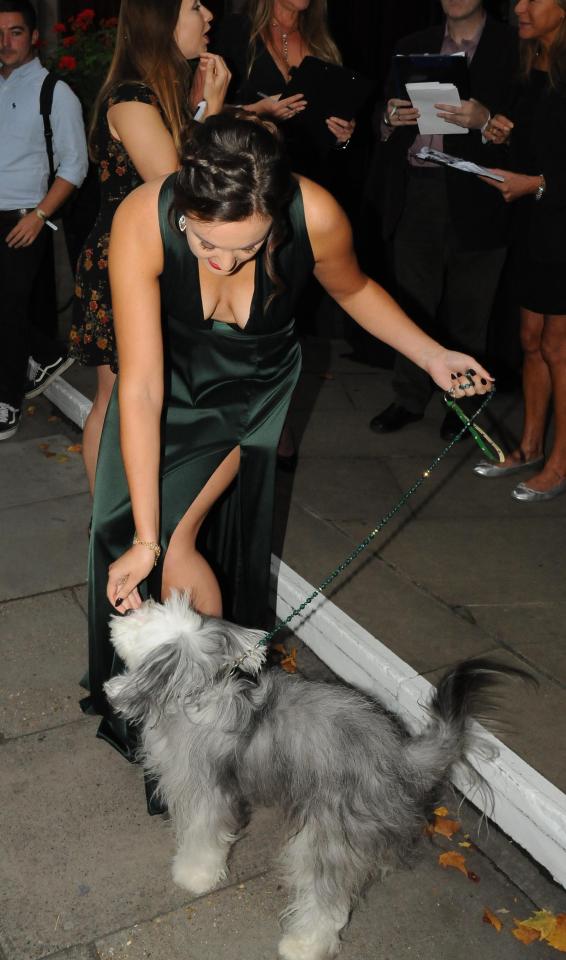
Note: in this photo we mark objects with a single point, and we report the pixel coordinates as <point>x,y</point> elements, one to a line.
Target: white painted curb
<point>530,809</point>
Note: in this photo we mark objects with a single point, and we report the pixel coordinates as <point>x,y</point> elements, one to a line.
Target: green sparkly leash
<point>483,440</point>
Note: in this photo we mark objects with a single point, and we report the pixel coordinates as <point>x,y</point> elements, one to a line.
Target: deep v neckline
<point>208,321</point>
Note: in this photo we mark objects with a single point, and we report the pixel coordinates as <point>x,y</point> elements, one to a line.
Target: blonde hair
<point>313,29</point>
<point>529,51</point>
<point>146,53</point>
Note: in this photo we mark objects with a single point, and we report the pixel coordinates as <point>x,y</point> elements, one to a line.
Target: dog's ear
<point>151,686</point>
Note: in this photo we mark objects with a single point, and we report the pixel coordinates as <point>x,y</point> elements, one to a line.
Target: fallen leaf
<point>525,934</point>
<point>31,410</point>
<point>543,921</point>
<point>75,448</point>
<point>453,859</point>
<point>289,663</point>
<point>557,938</point>
<point>446,827</point>
<point>43,446</point>
<point>464,843</point>
<point>489,917</point>
<point>441,811</point>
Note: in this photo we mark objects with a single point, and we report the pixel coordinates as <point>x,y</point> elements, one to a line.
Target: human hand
<point>25,231</point>
<point>458,374</point>
<point>470,114</point>
<point>125,574</point>
<point>280,108</point>
<point>210,83</point>
<point>342,129</point>
<point>514,185</point>
<point>498,129</point>
<point>401,113</point>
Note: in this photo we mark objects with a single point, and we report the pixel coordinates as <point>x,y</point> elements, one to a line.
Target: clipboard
<point>431,67</point>
<point>330,91</point>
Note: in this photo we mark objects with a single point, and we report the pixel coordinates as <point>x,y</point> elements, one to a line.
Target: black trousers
<point>447,290</point>
<point>18,271</point>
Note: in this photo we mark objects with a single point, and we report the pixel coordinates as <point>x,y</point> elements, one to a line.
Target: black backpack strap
<point>45,104</point>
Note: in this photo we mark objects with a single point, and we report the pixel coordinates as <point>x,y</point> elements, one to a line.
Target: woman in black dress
<point>260,48</point>
<point>146,101</point>
<point>538,150</point>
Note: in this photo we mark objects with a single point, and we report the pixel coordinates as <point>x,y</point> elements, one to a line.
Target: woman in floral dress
<point>145,103</point>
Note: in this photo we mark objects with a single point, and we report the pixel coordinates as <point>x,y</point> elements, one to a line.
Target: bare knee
<point>553,344</point>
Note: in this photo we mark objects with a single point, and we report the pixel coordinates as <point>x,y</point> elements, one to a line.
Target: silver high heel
<point>528,495</point>
<point>486,468</point>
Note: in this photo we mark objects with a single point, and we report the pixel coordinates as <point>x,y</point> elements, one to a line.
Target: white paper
<point>467,166</point>
<point>424,96</point>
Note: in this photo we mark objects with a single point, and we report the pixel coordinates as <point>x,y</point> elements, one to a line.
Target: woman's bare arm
<point>146,139</point>
<point>337,269</point>
<point>135,263</point>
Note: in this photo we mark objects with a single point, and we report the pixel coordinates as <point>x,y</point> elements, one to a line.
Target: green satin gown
<point>224,386</point>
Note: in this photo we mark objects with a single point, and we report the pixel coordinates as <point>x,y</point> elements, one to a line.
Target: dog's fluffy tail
<point>464,694</point>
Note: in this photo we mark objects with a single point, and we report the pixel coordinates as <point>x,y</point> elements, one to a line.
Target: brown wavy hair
<point>233,167</point>
<point>313,29</point>
<point>146,53</point>
<point>529,51</point>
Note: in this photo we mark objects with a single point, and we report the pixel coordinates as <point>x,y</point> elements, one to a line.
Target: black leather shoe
<point>393,418</point>
<point>451,426</point>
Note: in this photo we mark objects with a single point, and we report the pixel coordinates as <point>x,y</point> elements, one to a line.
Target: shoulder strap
<point>45,104</point>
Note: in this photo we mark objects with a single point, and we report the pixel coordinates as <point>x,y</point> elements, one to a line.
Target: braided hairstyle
<point>234,167</point>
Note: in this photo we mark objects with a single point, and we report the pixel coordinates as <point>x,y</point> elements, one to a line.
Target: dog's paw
<point>293,947</point>
<point>198,878</point>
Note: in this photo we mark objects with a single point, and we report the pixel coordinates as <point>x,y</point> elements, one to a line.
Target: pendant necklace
<point>284,34</point>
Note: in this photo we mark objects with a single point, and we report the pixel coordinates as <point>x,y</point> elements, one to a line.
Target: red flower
<point>69,41</point>
<point>59,27</point>
<point>67,63</point>
<point>84,19</point>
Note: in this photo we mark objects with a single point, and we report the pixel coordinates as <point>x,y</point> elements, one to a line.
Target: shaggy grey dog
<point>355,789</point>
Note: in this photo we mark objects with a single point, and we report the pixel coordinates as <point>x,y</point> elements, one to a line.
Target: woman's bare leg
<point>536,390</point>
<point>95,421</point>
<point>184,568</point>
<point>553,349</point>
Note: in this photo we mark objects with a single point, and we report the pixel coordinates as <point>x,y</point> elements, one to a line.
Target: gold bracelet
<point>152,546</point>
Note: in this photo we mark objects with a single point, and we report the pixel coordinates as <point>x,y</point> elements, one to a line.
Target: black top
<point>538,145</point>
<point>479,214</point>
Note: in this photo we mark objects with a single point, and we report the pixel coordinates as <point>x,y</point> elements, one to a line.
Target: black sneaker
<point>40,377</point>
<point>9,420</point>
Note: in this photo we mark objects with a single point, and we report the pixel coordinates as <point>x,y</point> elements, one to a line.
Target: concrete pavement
<point>84,873</point>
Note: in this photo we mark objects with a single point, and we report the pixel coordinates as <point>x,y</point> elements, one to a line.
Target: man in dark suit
<point>448,230</point>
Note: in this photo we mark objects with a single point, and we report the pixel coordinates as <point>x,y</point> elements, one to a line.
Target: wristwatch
<point>539,193</point>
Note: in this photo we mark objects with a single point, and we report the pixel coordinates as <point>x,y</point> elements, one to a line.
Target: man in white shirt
<point>27,201</point>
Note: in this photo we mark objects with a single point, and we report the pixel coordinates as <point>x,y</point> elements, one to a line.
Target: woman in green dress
<point>206,267</point>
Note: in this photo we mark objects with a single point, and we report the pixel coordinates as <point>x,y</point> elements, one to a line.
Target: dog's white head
<point>173,652</point>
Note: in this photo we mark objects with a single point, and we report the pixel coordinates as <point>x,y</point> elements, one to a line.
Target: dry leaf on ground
<point>441,812</point>
<point>489,917</point>
<point>30,410</point>
<point>446,827</point>
<point>543,925</point>
<point>453,859</point>
<point>75,448</point>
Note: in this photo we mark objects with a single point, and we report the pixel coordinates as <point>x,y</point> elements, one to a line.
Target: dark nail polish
<point>458,374</point>
<point>119,601</point>
<point>471,373</point>
<point>484,381</point>
<point>453,376</point>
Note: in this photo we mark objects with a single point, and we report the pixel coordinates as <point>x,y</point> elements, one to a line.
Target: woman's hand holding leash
<point>458,374</point>
<point>125,574</point>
